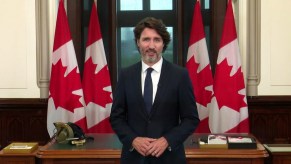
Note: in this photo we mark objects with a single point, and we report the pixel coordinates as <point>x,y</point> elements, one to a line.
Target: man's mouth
<point>151,53</point>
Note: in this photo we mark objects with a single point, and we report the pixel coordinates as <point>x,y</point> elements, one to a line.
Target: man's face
<point>150,46</point>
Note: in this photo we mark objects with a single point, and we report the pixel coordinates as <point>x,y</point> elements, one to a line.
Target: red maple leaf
<point>94,84</point>
<point>226,87</point>
<point>200,81</point>
<point>62,87</point>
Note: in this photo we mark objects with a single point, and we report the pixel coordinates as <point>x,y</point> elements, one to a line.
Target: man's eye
<point>157,40</point>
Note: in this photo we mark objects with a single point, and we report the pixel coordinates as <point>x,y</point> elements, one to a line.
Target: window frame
<point>108,16</point>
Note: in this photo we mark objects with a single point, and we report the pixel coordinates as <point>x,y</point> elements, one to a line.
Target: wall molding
<point>45,23</point>
<point>253,47</point>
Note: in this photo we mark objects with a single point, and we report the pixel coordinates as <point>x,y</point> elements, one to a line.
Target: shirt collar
<point>157,67</point>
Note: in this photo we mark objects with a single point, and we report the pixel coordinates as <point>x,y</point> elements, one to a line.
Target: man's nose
<point>152,44</point>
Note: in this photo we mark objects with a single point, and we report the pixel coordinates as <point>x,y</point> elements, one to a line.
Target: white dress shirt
<point>155,75</point>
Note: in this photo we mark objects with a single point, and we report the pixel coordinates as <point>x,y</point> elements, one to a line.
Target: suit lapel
<point>137,85</point>
<point>161,86</point>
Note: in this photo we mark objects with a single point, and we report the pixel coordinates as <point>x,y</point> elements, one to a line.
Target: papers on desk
<point>227,142</point>
<point>21,147</point>
<point>241,142</point>
<point>213,141</point>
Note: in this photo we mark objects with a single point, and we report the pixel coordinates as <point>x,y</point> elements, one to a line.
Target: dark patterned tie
<point>148,90</point>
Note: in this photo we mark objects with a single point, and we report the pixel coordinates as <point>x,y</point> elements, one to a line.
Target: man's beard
<point>153,59</point>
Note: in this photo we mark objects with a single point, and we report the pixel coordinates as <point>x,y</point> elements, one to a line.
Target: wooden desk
<point>17,158</point>
<point>195,155</point>
<point>106,148</point>
<point>280,153</point>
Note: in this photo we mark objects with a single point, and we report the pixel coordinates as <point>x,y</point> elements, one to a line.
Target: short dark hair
<point>152,23</point>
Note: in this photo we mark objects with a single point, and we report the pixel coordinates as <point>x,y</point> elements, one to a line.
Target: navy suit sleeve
<point>118,116</point>
<point>189,119</point>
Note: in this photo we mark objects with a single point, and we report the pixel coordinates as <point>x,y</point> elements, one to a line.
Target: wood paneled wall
<point>25,119</point>
<point>270,118</point>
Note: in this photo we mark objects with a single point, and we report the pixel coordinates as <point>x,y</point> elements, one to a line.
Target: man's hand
<point>157,147</point>
<point>142,144</point>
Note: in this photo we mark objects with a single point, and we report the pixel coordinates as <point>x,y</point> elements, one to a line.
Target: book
<point>241,142</point>
<point>213,141</point>
<point>274,148</point>
<point>21,147</point>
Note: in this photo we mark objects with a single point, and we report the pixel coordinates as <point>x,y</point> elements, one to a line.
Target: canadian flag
<point>65,102</point>
<point>199,69</point>
<point>96,80</point>
<point>229,113</point>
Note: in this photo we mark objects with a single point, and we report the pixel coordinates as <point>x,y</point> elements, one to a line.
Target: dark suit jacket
<point>173,115</point>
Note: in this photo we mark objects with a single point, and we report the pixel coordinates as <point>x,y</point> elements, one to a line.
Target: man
<point>153,132</point>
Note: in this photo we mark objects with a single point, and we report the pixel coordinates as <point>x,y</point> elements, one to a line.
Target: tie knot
<point>149,70</point>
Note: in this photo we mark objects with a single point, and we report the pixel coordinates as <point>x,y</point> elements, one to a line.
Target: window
<point>118,17</point>
<point>129,14</point>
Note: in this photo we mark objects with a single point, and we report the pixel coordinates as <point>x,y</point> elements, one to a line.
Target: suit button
<point>149,121</point>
